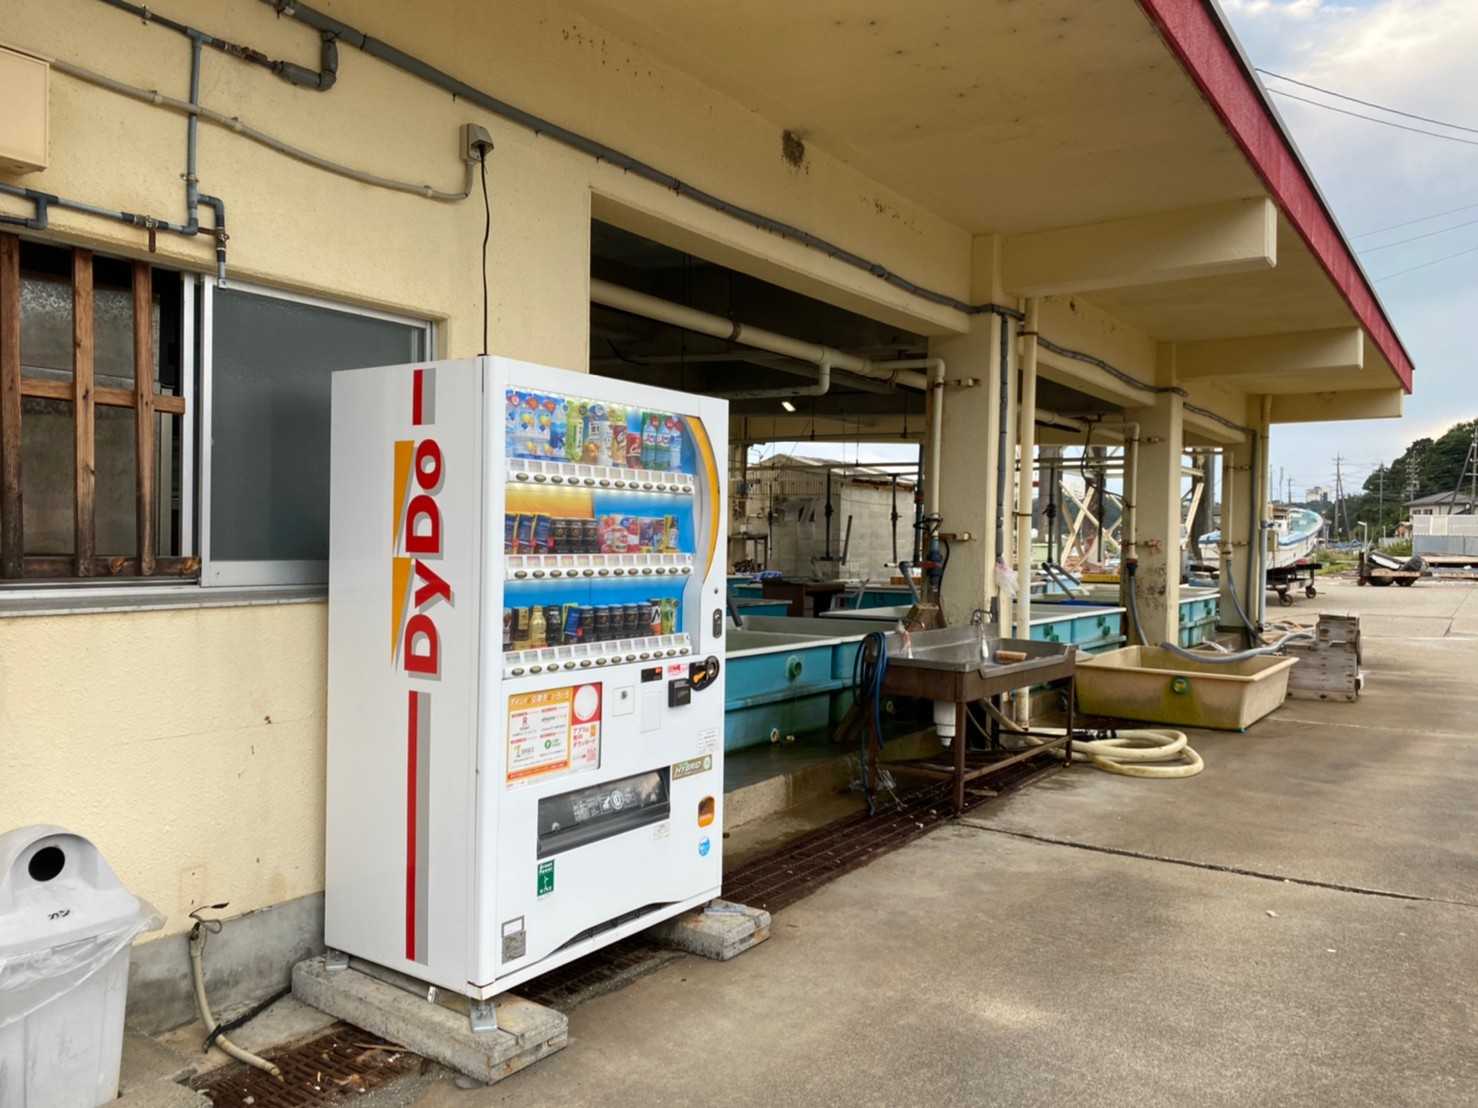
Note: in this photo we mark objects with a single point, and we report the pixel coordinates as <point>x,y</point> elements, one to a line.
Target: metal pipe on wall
<point>1026,446</point>
<point>936,368</point>
<point>1264,488</point>
<point>716,326</point>
<point>820,387</point>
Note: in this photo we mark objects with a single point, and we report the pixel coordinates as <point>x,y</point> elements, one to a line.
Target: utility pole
<point>1468,474</point>
<point>1413,476</point>
<point>1341,521</point>
<point>1381,518</point>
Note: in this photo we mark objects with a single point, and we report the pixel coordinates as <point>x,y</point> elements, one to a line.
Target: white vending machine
<point>525,704</point>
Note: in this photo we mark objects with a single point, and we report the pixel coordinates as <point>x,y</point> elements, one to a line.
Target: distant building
<point>1442,504</point>
<point>1318,494</point>
<point>785,498</point>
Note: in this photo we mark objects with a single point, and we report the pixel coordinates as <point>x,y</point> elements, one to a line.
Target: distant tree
<point>1435,464</point>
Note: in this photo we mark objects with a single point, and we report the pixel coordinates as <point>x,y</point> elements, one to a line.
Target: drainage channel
<point>792,872</point>
<point>335,1067</point>
<point>781,877</point>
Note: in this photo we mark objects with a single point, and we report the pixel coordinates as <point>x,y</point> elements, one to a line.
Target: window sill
<point>86,598</point>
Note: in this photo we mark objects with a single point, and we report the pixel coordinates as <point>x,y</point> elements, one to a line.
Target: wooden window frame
<point>84,396</point>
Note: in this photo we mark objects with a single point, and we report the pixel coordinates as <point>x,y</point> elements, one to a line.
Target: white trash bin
<point>66,926</point>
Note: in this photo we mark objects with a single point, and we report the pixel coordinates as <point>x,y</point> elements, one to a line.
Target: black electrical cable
<point>247,1017</point>
<point>1373,119</point>
<point>1434,261</point>
<point>1367,103</point>
<point>1416,238</point>
<point>869,666</point>
<point>487,233</point>
<point>1419,219</point>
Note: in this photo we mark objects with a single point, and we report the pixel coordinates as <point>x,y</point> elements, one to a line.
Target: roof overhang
<point>1197,34</point>
<point>1121,154</point>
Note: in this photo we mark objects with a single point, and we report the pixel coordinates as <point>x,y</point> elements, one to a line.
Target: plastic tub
<point>1152,684</point>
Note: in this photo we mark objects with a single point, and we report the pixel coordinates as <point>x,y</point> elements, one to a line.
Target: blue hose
<point>869,666</point>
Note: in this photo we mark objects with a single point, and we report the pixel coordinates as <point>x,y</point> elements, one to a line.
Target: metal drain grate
<point>780,878</point>
<point>334,1068</point>
<point>598,973</point>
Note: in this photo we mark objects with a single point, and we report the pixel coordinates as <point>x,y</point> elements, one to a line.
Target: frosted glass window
<point>271,361</point>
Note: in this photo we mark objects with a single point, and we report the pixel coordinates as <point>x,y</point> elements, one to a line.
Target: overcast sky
<point>1420,56</point>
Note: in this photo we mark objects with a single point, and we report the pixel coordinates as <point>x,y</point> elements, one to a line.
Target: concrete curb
<point>721,931</point>
<point>526,1031</point>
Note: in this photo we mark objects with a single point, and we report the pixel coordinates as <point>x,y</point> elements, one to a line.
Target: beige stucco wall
<point>188,745</point>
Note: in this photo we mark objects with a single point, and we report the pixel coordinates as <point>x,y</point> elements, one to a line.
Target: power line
<point>1414,238</point>
<point>1367,103</point>
<point>1409,222</point>
<point>1434,261</point>
<point>1373,119</point>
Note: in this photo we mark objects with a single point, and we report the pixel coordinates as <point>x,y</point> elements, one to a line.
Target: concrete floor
<point>980,966</point>
<point>1085,941</point>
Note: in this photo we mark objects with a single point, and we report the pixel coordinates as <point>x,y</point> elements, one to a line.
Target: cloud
<point>1415,55</point>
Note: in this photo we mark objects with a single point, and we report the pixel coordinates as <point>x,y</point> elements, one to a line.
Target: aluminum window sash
<point>206,422</point>
<point>190,359</point>
<point>263,572</point>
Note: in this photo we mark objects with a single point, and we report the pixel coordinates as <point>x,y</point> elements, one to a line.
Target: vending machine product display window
<point>525,695</point>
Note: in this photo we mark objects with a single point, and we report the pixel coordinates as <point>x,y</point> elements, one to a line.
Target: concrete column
<point>1241,527</point>
<point>967,493</point>
<point>1156,507</point>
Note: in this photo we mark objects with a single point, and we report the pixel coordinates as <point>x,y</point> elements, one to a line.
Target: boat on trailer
<point>1297,532</point>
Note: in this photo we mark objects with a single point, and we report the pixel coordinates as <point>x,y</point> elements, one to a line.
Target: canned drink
<point>507,630</point>
<point>631,621</point>
<point>654,617</point>
<point>571,624</point>
<point>521,628</point>
<point>602,623</point>
<point>554,624</point>
<point>589,536</point>
<point>587,623</point>
<point>559,536</point>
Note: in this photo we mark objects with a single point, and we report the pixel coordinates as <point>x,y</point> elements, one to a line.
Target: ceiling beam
<point>1317,407</point>
<point>1207,431</point>
<point>1237,236</point>
<point>1337,350</point>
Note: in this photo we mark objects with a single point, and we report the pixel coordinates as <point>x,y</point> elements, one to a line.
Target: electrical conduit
<point>235,125</point>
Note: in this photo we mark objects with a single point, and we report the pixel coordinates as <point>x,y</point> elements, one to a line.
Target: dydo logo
<point>417,594</point>
<point>416,535</point>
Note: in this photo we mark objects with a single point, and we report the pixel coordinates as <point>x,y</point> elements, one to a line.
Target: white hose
<point>1134,753</point>
<point>197,971</point>
<point>1191,766</point>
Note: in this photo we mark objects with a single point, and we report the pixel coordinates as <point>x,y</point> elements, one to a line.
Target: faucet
<point>978,621</point>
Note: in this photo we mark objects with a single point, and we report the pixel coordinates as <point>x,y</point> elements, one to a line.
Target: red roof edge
<point>1197,37</point>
